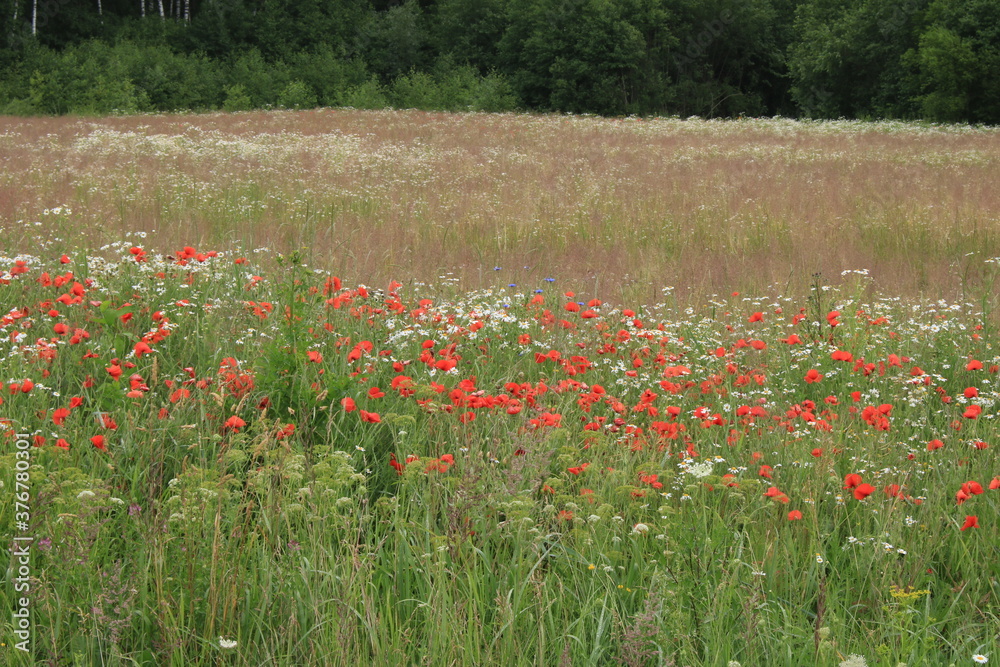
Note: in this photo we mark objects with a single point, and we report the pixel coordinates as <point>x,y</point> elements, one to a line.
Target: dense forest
<point>937,60</point>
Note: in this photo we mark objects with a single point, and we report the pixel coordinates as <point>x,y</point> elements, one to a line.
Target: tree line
<point>937,60</point>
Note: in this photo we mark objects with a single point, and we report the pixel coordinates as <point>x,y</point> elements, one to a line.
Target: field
<point>340,387</point>
<point>616,207</point>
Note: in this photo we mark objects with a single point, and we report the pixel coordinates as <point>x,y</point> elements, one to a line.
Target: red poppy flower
<point>893,490</point>
<point>863,491</point>
<point>852,480</point>
<point>59,416</point>
<point>794,515</point>
<point>235,423</point>
<point>180,394</point>
<point>971,521</point>
<point>973,488</point>
<point>348,404</point>
<point>813,376</point>
<point>972,412</point>
<point>314,356</point>
<point>934,444</point>
<point>98,441</point>
<point>375,392</point>
<point>370,417</point>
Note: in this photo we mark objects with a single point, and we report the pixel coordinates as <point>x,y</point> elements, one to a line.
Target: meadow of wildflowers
<point>241,457</point>
<point>617,206</point>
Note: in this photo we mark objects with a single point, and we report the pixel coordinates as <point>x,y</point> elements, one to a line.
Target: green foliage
<point>469,31</point>
<point>92,78</point>
<point>297,95</point>
<point>171,80</point>
<point>261,81</point>
<point>327,73</point>
<point>220,27</point>
<point>284,27</point>
<point>729,57</point>
<point>933,59</point>
<point>95,78</point>
<point>949,66</point>
<point>452,88</point>
<point>958,61</point>
<point>368,95</point>
<point>846,57</point>
<point>237,99</point>
<point>395,41</point>
<point>575,56</point>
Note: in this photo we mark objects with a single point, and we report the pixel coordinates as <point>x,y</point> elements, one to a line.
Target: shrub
<point>369,95</point>
<point>237,99</point>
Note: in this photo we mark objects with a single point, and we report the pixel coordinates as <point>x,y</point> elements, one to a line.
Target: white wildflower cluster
<point>854,660</point>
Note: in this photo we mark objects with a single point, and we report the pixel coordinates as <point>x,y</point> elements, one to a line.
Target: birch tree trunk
<point>34,17</point>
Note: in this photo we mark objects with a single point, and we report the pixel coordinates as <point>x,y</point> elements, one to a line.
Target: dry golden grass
<point>617,208</point>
